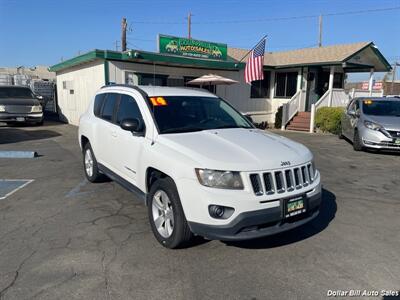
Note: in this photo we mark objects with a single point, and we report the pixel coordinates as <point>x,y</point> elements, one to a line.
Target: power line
<point>262,20</point>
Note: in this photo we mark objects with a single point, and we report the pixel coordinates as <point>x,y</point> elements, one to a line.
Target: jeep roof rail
<point>144,94</point>
<point>119,84</point>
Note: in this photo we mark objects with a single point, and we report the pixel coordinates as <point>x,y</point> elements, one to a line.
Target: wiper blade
<point>232,126</point>
<point>182,130</point>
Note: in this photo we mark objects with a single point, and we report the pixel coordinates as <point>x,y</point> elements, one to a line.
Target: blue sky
<point>41,32</point>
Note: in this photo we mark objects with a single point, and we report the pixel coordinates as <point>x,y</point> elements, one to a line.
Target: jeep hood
<point>237,149</point>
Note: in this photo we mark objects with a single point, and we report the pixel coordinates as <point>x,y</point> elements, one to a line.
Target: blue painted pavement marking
<point>10,186</point>
<point>18,154</point>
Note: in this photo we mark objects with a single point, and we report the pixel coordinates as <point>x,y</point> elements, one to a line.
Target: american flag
<point>254,67</point>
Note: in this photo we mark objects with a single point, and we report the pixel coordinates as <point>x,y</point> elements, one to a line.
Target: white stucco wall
<point>84,81</point>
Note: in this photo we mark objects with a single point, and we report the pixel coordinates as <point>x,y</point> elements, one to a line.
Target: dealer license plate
<point>295,206</point>
<point>20,119</point>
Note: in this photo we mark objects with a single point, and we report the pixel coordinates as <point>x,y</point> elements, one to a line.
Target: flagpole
<point>265,36</point>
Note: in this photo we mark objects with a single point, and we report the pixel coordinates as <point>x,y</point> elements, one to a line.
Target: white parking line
<point>26,182</point>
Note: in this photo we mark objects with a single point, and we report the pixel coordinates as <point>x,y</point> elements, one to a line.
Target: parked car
<point>372,123</point>
<point>198,164</point>
<point>19,104</point>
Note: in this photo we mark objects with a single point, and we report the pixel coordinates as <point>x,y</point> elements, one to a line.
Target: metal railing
<point>290,109</point>
<point>331,98</point>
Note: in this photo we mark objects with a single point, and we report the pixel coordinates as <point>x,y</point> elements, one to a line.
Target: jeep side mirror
<point>132,125</point>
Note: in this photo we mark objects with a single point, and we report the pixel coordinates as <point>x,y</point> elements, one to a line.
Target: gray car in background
<point>19,105</point>
<point>372,123</point>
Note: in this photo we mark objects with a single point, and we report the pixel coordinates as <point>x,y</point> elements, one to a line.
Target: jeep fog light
<point>220,212</point>
<point>220,179</point>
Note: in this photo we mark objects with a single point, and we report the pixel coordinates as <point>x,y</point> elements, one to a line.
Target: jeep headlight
<point>2,108</point>
<point>36,109</point>
<point>220,179</point>
<point>372,125</point>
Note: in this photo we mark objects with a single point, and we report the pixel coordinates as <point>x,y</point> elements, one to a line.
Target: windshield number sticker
<point>158,101</point>
<point>368,102</point>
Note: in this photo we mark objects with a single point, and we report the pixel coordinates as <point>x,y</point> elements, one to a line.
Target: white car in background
<point>198,164</point>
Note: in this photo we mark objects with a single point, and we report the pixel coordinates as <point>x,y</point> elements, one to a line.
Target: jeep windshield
<point>15,92</point>
<point>177,114</point>
<point>390,108</point>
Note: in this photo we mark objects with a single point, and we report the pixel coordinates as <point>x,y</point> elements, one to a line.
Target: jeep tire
<point>166,215</point>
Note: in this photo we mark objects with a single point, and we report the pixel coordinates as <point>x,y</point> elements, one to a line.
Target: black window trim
<point>103,96</point>
<point>141,115</point>
<point>113,117</point>
<point>145,97</point>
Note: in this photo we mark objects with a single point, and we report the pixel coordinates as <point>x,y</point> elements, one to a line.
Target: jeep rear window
<point>188,114</point>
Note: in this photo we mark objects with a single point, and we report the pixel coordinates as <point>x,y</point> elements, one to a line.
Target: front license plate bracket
<point>294,206</point>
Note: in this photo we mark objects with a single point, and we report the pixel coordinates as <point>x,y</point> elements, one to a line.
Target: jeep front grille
<point>256,184</point>
<point>281,181</point>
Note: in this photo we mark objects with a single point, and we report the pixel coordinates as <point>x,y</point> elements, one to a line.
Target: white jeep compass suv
<point>198,164</point>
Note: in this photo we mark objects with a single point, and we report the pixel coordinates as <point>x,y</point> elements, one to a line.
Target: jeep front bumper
<point>259,223</point>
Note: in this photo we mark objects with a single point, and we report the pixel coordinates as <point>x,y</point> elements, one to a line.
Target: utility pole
<point>123,35</point>
<point>189,25</point>
<point>394,76</point>
<point>320,32</point>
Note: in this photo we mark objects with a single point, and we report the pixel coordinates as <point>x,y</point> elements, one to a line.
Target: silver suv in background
<point>372,123</point>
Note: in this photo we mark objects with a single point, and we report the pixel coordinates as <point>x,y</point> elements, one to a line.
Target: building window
<point>130,78</point>
<point>260,88</point>
<point>338,81</point>
<point>175,82</point>
<point>285,84</point>
<point>186,79</point>
<point>153,79</point>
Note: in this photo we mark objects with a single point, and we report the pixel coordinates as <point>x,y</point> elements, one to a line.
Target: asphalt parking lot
<point>61,237</point>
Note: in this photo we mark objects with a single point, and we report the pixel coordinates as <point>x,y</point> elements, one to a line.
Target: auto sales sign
<point>191,48</point>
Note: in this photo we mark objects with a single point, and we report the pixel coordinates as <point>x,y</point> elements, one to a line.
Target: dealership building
<point>302,79</point>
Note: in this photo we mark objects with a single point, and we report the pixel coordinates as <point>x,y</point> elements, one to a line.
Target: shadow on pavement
<point>384,152</point>
<point>10,135</point>
<point>326,215</point>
